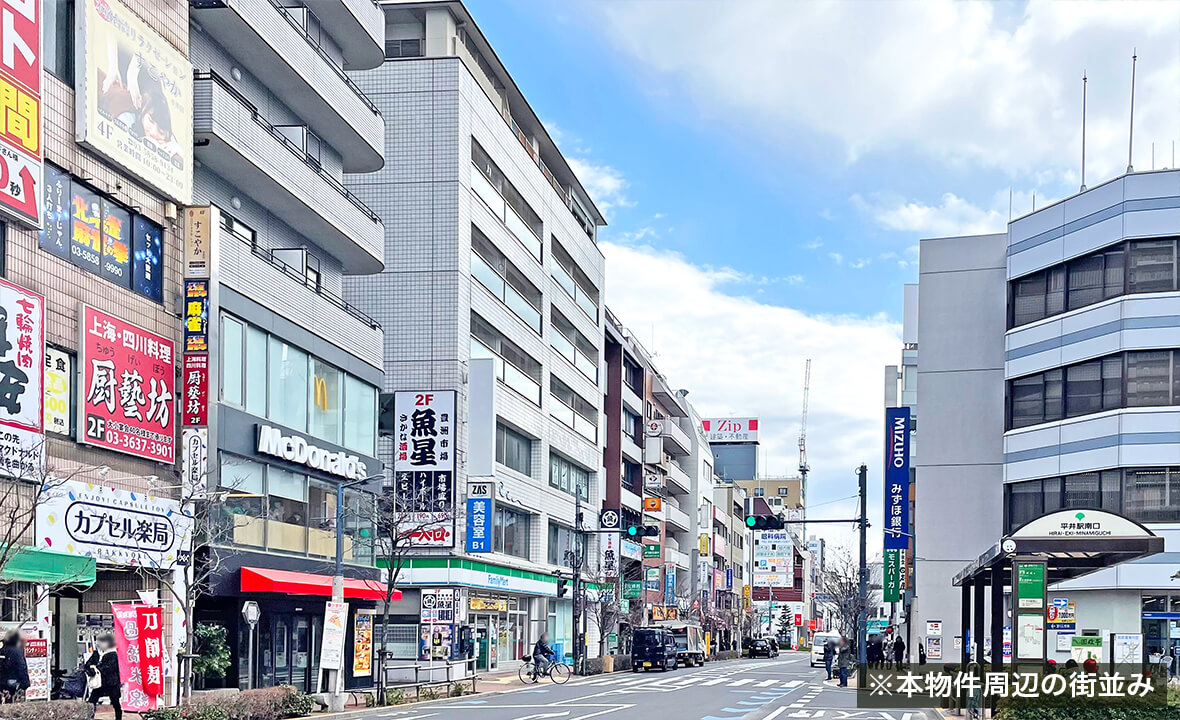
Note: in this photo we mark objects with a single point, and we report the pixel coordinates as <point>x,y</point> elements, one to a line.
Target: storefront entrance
<point>501,630</point>
<point>287,651</point>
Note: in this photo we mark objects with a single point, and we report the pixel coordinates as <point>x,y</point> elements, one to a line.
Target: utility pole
<point>576,566</point>
<point>862,474</point>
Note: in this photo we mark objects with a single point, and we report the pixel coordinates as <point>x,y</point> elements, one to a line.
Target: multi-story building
<point>780,493</point>
<point>901,391</point>
<point>89,341</point>
<point>293,370</point>
<point>489,253</point>
<point>731,561</point>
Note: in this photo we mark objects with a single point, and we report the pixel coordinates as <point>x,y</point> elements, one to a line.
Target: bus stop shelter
<point>1072,543</point>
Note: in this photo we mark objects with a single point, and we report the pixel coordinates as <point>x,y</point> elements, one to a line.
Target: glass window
<point>1024,502</point>
<point>255,371</point>
<point>231,361</point>
<point>1155,603</point>
<point>511,533</point>
<point>244,520</point>
<point>57,38</point>
<point>561,541</point>
<point>1028,401</point>
<point>1114,274</point>
<point>1145,494</point>
<point>1083,491</point>
<point>1149,378</point>
<point>1028,299</point>
<point>1151,266</point>
<point>1083,389</point>
<point>321,534</point>
<point>1111,492</point>
<point>1055,291</point>
<point>568,477</point>
<point>1051,487</point>
<point>1112,383</point>
<point>359,515</point>
<point>287,384</point>
<point>360,420</point>
<point>1086,281</point>
<point>286,511</point>
<point>325,398</point>
<point>514,450</point>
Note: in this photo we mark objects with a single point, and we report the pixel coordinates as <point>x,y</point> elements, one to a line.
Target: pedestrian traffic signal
<point>641,531</point>
<point>765,522</point>
<point>561,586</point>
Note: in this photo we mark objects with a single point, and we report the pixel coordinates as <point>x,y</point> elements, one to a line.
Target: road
<point>783,688</point>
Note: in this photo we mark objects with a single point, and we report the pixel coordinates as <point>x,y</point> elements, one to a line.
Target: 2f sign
<point>423,399</point>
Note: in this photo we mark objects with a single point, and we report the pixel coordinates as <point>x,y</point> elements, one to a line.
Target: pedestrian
<point>829,654</point>
<point>1090,666</point>
<point>899,652</point>
<point>14,671</point>
<point>103,668</point>
<point>844,660</point>
<point>921,653</point>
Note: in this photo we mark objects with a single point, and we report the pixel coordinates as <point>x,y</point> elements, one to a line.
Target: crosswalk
<point>675,681</point>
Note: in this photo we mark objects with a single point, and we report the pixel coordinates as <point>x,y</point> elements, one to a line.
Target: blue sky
<point>768,168</point>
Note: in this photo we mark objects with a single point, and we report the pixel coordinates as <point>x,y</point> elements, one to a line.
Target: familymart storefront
<point>468,609</point>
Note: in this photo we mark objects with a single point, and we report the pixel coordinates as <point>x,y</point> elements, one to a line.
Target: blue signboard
<point>479,526</point>
<point>670,586</point>
<point>897,478</point>
<point>729,578</point>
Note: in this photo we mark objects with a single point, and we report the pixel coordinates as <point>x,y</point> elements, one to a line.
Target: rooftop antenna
<point>1153,155</point>
<point>1034,200</point>
<point>1131,129</point>
<point>1009,203</point>
<point>1084,81</point>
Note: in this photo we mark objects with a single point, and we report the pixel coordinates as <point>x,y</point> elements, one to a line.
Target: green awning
<point>50,567</point>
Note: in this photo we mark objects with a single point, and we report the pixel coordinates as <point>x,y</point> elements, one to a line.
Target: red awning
<point>289,582</point>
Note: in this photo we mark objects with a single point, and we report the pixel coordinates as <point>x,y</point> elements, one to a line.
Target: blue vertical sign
<point>479,527</point>
<point>670,586</point>
<point>897,478</point>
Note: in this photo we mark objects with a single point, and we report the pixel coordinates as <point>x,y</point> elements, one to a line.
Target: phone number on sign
<point>101,431</point>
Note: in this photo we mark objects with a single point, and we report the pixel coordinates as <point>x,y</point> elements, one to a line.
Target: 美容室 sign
<point>126,399</point>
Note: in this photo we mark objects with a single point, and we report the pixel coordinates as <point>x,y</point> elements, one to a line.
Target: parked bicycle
<point>558,672</point>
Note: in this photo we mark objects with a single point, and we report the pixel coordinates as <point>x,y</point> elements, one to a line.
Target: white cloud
<point>815,244</point>
<point>739,356</point>
<point>606,185</point>
<point>859,263</point>
<point>972,84</point>
<point>952,215</point>
<point>836,258</point>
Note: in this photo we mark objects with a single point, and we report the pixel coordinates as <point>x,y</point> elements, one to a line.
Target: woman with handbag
<point>102,668</point>
<point>14,671</point>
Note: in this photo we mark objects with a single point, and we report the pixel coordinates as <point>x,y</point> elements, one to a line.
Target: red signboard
<point>127,395</point>
<point>129,651</point>
<point>151,649</point>
<point>21,153</point>
<point>195,404</point>
<point>798,619</point>
<point>811,625</point>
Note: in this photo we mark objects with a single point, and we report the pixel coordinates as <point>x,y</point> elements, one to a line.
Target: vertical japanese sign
<point>195,405</point>
<point>897,478</point>
<point>894,562</point>
<point>21,151</point>
<point>669,585</point>
<point>608,559</point>
<point>151,656</point>
<point>362,643</point>
<point>126,397</point>
<point>424,464</point>
<point>332,643</point>
<point>134,97</point>
<point>147,258</point>
<point>116,244</point>
<point>59,381</point>
<point>479,517</point>
<point>130,651</point>
<point>1028,577</point>
<point>37,661</point>
<point>196,315</point>
<point>22,381</point>
<point>198,236</point>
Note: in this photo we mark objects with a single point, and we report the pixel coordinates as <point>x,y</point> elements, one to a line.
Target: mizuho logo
<point>897,445</point>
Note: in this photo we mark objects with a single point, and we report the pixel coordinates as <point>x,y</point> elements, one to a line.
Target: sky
<point>767,169</point>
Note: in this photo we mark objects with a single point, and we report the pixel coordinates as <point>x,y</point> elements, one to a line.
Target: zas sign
<point>22,165</point>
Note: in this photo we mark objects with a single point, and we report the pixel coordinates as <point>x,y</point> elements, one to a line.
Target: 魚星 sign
<point>438,606</point>
<point>424,465</point>
<point>134,97</point>
<point>22,376</point>
<point>126,401</point>
<point>115,527</point>
<point>21,147</point>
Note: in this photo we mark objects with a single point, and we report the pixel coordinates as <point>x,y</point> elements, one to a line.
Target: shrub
<point>297,704</point>
<point>428,693</point>
<point>51,710</point>
<point>593,666</point>
<point>458,689</point>
<point>622,662</point>
<point>168,713</point>
<point>259,704</point>
<point>395,696</point>
<point>213,657</point>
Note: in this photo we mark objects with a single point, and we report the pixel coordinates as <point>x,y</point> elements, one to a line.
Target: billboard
<point>897,478</point>
<point>774,559</point>
<point>127,396</point>
<point>22,381</point>
<point>730,429</point>
<point>21,150</point>
<point>59,382</point>
<point>134,97</point>
<point>424,464</point>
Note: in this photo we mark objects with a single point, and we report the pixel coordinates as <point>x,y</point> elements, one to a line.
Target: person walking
<point>921,653</point>
<point>898,652</point>
<point>829,655</point>
<point>14,671</point>
<point>844,660</point>
<point>103,668</point>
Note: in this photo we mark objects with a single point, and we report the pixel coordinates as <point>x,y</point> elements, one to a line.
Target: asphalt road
<point>783,688</point>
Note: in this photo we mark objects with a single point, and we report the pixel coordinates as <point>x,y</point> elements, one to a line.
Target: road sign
<point>251,612</point>
<point>609,519</point>
<point>651,550</point>
<point>632,588</point>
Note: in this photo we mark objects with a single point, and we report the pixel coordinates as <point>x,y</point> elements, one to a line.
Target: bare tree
<point>840,581</point>
<point>605,611</point>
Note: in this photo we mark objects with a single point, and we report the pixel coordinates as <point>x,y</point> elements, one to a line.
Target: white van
<point>817,647</point>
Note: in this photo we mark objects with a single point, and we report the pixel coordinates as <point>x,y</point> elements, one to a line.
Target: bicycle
<point>557,672</point>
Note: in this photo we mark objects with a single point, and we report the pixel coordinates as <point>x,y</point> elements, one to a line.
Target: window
<point>1083,491</point>
<point>287,381</point>
<point>514,367</point>
<point>244,522</point>
<point>568,477</point>
<point>632,425</point>
<point>360,408</point>
<point>572,409</point>
<point>573,345</point>
<point>1024,502</point>
<point>1151,266</point>
<point>1142,494</point>
<point>1038,296</point>
<point>232,361</point>
<point>495,272</point>
<point>633,376</point>
<point>256,371</point>
<point>286,510</point>
<point>575,282</point>
<point>505,201</point>
<point>1095,278</point>
<point>759,492</point>
<point>510,532</point>
<point>632,477</point>
<point>326,392</point>
<point>561,541</point>
<point>1083,389</point>
<point>1149,378</point>
<point>782,491</point>
<point>1036,399</point>
<point>57,39</point>
<point>514,450</point>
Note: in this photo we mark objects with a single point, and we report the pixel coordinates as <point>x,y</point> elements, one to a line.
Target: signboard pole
<point>1028,627</point>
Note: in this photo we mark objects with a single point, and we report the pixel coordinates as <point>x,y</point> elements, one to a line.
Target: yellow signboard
<point>488,604</point>
<point>134,97</point>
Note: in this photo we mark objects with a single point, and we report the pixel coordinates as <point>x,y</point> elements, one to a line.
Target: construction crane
<point>804,468</point>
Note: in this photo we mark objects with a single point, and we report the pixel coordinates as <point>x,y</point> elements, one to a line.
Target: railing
<point>587,304</point>
<point>491,197</point>
<point>292,273</point>
<point>299,152</point>
<point>323,54</point>
<point>572,419</point>
<point>508,373</point>
<point>507,294</point>
<point>570,352</point>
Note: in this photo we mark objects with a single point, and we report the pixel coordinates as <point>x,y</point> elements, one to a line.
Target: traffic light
<point>561,586</point>
<point>765,522</point>
<point>642,531</point>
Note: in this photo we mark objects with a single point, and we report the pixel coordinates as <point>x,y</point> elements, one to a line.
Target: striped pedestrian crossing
<point>674,681</point>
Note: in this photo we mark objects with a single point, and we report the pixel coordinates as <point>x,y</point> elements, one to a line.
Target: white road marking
<point>743,681</point>
<point>765,683</point>
<point>776,713</point>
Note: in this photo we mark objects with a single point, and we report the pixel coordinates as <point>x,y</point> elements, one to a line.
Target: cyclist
<point>543,656</point>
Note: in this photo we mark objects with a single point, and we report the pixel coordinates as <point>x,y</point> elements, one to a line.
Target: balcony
<point>274,46</point>
<point>358,26</point>
<point>631,400</point>
<point>678,480</point>
<point>588,429</point>
<point>677,440</point>
<point>631,450</point>
<point>257,274</point>
<point>676,517</point>
<point>233,140</point>
<point>677,558</point>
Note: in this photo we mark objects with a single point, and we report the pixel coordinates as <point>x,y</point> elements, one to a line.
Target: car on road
<point>817,647</point>
<point>762,647</point>
<point>653,648</point>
